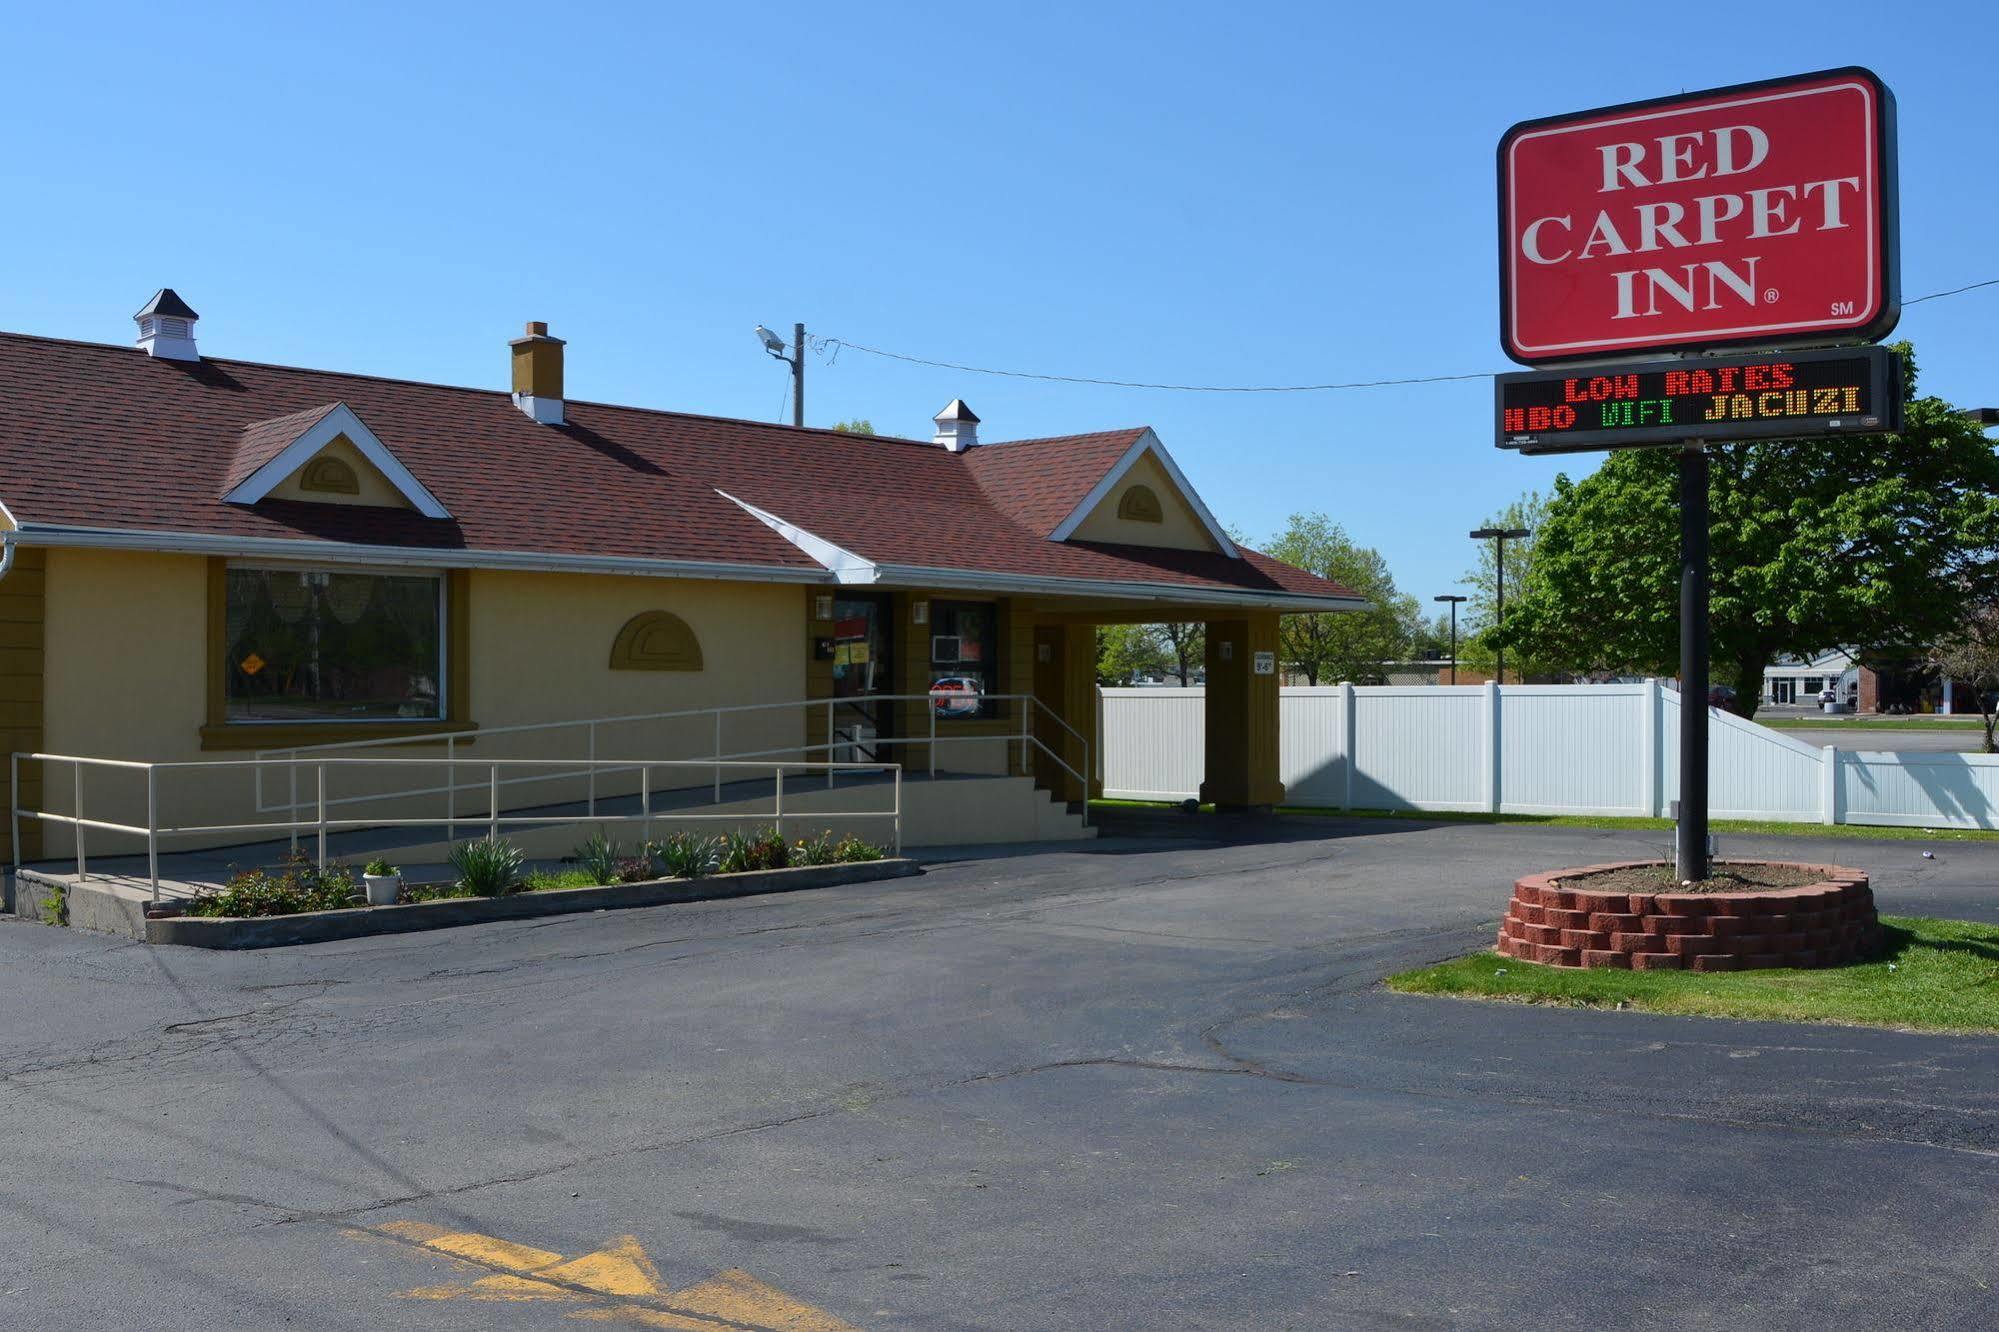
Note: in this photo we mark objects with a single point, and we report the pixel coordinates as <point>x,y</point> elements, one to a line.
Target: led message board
<point>1761,214</point>
<point>1855,391</point>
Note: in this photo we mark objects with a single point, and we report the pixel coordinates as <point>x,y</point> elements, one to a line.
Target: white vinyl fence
<point>1540,749</point>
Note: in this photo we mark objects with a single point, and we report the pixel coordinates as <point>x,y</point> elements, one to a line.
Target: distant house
<point>1800,681</point>
<point>1887,684</point>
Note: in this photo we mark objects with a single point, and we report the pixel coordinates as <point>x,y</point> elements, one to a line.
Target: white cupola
<point>166,326</point>
<point>957,427</point>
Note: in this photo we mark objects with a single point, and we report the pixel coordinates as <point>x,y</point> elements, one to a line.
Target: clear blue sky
<point>1217,194</point>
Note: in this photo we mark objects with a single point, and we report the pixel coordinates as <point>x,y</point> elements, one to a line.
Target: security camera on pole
<point>1730,229</point>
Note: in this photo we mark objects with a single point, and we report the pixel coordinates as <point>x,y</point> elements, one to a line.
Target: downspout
<point>7,551</point>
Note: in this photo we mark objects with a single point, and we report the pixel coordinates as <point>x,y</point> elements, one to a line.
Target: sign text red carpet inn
<point>1757,215</point>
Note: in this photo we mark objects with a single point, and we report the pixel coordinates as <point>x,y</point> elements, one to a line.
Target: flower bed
<point>492,868</point>
<point>1559,919</point>
<point>442,912</point>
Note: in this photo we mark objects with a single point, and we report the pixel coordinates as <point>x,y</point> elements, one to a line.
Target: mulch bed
<point>1723,877</point>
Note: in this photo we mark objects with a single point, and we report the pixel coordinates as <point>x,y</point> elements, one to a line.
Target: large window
<point>329,645</point>
<point>964,658</point>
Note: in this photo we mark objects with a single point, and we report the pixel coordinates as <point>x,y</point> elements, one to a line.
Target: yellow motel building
<point>248,593</point>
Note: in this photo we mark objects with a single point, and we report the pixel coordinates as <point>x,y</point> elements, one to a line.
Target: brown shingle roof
<point>262,441</point>
<point>108,437</point>
<point>1038,482</point>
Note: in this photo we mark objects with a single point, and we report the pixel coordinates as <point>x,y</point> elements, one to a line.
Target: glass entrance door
<point>863,668</point>
<point>1782,691</point>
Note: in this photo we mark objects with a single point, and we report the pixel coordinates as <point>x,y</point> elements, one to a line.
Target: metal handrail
<point>493,820</point>
<point>1032,707</point>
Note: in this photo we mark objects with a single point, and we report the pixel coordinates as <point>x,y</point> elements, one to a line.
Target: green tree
<point>1127,651</point>
<point>1186,644</point>
<point>1343,645</point>
<point>1867,543</point>
<point>1969,654</point>
<point>860,425</point>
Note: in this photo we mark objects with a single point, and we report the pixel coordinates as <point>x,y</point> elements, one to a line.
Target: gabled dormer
<point>1145,500</point>
<point>323,455</point>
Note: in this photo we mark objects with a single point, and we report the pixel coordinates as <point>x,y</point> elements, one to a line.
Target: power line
<point>1989,282</point>
<point>838,343</point>
<point>830,348</point>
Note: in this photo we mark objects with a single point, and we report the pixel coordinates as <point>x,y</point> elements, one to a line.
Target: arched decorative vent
<point>1140,505</point>
<point>329,476</point>
<point>656,641</point>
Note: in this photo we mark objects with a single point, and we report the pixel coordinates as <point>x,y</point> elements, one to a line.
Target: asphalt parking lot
<point>1135,1085</point>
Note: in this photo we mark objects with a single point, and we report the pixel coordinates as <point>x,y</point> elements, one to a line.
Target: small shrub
<point>820,850</point>
<point>436,892</point>
<point>852,850</point>
<point>488,867</point>
<point>762,849</point>
<point>636,869</point>
<point>55,906</point>
<point>298,885</point>
<point>379,868</point>
<point>601,858</point>
<point>689,856</point>
<point>541,881</point>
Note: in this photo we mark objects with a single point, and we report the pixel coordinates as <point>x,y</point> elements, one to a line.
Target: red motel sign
<point>1757,215</point>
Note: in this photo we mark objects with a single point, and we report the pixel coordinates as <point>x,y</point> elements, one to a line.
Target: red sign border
<point>1887,230</point>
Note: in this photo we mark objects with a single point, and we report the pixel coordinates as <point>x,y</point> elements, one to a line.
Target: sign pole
<point>1690,843</point>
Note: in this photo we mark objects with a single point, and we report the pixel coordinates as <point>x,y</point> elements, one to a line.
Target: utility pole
<point>1690,840</point>
<point>1498,536</point>
<point>1454,598</point>
<point>774,346</point>
<point>798,374</point>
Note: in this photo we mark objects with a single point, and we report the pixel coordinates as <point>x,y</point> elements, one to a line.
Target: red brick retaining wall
<point>1821,924</point>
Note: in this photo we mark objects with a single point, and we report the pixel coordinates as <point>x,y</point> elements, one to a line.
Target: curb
<point>358,922</point>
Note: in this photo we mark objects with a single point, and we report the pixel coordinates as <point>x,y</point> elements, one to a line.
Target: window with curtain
<point>333,645</point>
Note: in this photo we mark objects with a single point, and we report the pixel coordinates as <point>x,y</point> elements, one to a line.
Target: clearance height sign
<point>1761,214</point>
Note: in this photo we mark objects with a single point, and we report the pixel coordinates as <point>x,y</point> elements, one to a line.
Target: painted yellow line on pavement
<point>616,1283</point>
<point>741,1298</point>
<point>479,1248</point>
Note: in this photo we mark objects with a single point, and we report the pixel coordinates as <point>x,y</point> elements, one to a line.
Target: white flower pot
<point>383,889</point>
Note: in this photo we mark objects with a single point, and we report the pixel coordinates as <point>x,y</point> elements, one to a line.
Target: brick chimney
<point>538,374</point>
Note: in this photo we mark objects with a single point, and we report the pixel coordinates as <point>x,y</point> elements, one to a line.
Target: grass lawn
<point>1836,723</point>
<point>1932,975</point>
<point>1854,831</point>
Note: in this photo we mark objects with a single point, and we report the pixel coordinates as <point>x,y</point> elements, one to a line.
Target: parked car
<point>1721,696</point>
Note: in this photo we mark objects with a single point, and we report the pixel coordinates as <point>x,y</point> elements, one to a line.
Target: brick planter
<point>1824,924</point>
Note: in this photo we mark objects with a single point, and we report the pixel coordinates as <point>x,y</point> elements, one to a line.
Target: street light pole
<point>1454,599</point>
<point>774,347</point>
<point>1498,536</point>
<point>798,374</point>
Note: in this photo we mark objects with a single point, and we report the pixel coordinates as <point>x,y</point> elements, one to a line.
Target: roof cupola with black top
<point>957,427</point>
<point>166,327</point>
